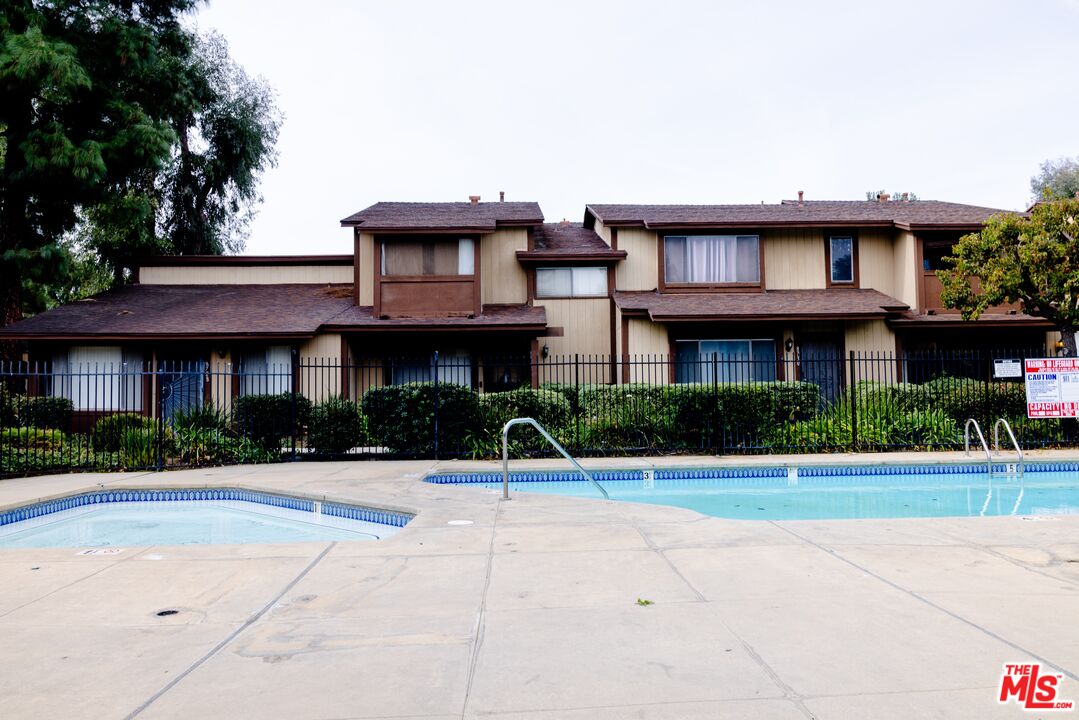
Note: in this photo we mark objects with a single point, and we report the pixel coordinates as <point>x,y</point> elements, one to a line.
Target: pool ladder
<point>996,443</point>
<point>559,448</point>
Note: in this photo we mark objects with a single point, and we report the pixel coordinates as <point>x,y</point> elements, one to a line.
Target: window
<point>98,378</point>
<point>841,254</point>
<point>429,257</point>
<point>266,370</point>
<point>725,361</point>
<point>933,254</point>
<point>571,282</point>
<point>454,366</point>
<point>711,259</point>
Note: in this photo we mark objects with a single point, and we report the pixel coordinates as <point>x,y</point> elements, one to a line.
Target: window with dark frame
<point>841,255</point>
<point>711,259</point>
<point>422,257</point>
<point>725,361</point>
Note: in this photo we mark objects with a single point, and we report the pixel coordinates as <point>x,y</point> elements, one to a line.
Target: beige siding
<point>603,231</point>
<point>876,262</point>
<point>502,277</point>
<point>648,341</point>
<point>238,275</point>
<point>367,272</point>
<point>320,367</point>
<point>221,370</point>
<point>793,259</point>
<point>639,271</point>
<point>905,267</point>
<point>586,324</point>
<point>869,336</point>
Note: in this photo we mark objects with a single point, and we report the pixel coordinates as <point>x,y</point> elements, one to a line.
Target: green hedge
<point>547,407</point>
<point>108,433</point>
<point>43,412</point>
<point>401,417</point>
<point>266,420</point>
<point>336,427</point>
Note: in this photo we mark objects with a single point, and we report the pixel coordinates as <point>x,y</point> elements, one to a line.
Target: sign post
<point>1052,386</point>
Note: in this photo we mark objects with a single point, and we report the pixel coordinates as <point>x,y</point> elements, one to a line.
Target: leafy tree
<point>1056,180</point>
<point>1015,258</point>
<point>86,91</point>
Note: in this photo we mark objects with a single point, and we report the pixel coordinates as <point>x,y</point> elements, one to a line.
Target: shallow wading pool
<point>190,517</point>
<point>819,493</point>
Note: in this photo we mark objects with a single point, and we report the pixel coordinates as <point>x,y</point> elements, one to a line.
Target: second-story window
<point>571,282</point>
<point>711,259</point>
<point>429,257</point>
<point>841,254</point>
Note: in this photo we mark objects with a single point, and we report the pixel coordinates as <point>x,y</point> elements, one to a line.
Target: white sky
<point>567,103</point>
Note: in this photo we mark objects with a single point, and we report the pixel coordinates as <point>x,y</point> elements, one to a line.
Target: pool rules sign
<point>1052,387</point>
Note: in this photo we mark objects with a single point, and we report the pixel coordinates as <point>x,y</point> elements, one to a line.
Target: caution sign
<point>1052,386</point>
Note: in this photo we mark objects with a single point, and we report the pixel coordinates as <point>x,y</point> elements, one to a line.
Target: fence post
<point>988,401</point>
<point>436,403</point>
<point>853,404</point>
<point>294,374</point>
<point>717,442</point>
<point>577,394</point>
<point>160,460</point>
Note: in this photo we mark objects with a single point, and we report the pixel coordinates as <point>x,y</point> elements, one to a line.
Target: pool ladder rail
<point>996,443</point>
<point>506,455</point>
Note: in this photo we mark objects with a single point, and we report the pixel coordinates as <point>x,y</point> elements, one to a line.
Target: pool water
<point>184,523</point>
<point>820,497</point>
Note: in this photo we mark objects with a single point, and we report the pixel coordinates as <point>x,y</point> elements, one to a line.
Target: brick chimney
<point>474,199</point>
<point>801,197</point>
<point>884,197</point>
<point>501,196</point>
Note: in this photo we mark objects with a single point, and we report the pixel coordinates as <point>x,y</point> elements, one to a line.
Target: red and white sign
<point>1052,386</point>
<point>1031,688</point>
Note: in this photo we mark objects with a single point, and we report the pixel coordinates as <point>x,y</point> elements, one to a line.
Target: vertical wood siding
<point>502,278</point>
<point>239,275</point>
<point>793,259</point>
<point>639,271</point>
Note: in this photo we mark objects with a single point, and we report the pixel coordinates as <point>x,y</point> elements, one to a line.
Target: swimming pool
<point>819,493</point>
<point>190,517</point>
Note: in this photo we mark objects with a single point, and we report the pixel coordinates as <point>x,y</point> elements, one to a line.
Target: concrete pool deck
<point>531,612</point>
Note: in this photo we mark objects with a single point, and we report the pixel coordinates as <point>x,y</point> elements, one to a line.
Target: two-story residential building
<point>504,298</point>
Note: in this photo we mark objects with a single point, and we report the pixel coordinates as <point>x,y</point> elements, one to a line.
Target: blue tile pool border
<point>803,471</point>
<point>98,497</point>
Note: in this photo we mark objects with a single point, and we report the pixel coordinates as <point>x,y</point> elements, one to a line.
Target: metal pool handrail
<point>981,438</point>
<point>1011,436</point>
<point>544,433</point>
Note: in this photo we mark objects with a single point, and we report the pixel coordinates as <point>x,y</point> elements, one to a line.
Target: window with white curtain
<point>426,256</point>
<point>266,370</point>
<point>711,259</point>
<point>99,377</point>
<point>725,361</point>
<point>571,282</point>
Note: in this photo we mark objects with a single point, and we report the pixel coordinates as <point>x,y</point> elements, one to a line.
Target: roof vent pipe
<point>801,197</point>
<point>474,199</point>
<point>501,196</point>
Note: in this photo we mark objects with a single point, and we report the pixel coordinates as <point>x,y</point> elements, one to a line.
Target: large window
<point>711,259</point>
<point>841,256</point>
<point>454,366</point>
<point>99,378</point>
<point>571,282</point>
<point>266,370</point>
<point>429,257</point>
<point>725,361</point>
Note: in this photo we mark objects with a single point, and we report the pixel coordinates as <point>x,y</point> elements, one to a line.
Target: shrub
<point>200,417</point>
<point>8,416</point>
<point>401,417</point>
<point>547,407</point>
<point>928,428</point>
<point>44,412</point>
<point>267,419</point>
<point>25,438</point>
<point>336,426</point>
<point>138,446</point>
<point>108,432</point>
<point>202,446</point>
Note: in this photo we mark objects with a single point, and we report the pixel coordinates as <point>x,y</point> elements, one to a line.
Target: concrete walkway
<point>532,611</point>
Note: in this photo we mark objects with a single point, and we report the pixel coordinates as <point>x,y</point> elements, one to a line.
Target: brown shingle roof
<point>496,317</point>
<point>822,212</point>
<point>553,242</point>
<point>989,319</point>
<point>771,304</point>
<point>191,310</point>
<point>444,217</point>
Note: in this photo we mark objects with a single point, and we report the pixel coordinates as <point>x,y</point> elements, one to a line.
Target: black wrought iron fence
<point>56,416</point>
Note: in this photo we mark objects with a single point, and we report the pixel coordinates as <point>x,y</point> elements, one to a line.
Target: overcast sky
<point>568,103</point>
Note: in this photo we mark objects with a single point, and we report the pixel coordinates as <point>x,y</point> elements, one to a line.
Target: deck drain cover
<point>459,522</point>
<point>166,613</point>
